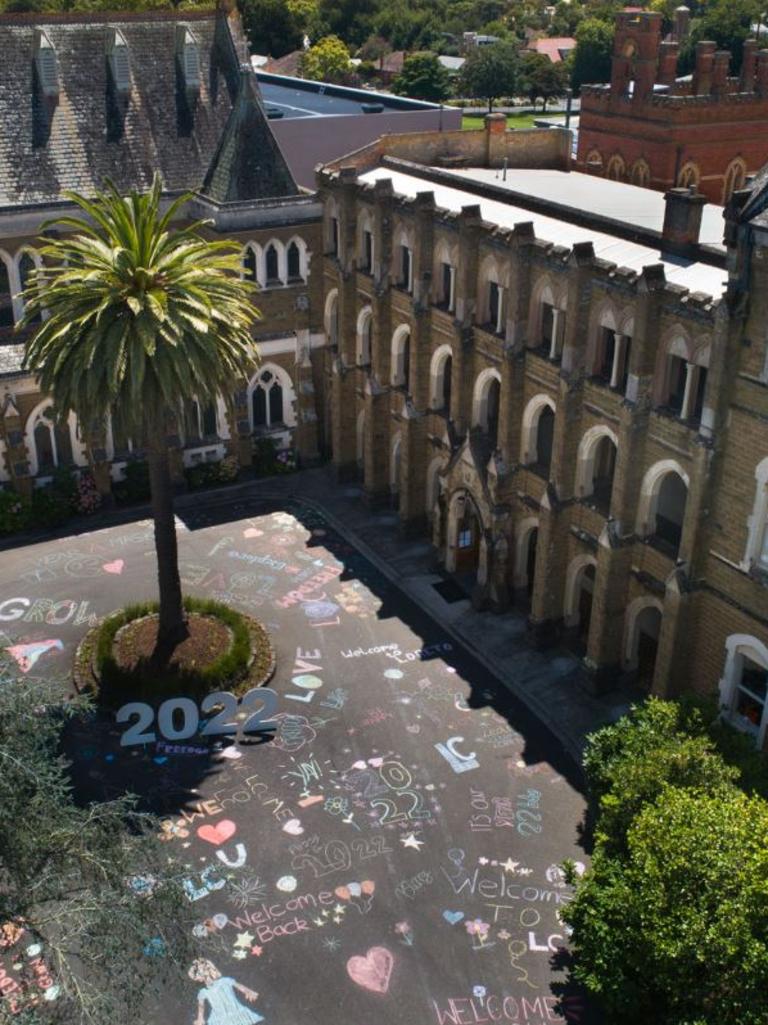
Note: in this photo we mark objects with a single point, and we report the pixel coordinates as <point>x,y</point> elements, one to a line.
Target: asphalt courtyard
<point>383,844</point>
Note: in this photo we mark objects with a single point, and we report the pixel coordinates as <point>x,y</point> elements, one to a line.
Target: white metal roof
<point>624,202</point>
<point>697,277</point>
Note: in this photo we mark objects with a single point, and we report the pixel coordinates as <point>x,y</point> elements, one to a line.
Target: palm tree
<point>139,319</point>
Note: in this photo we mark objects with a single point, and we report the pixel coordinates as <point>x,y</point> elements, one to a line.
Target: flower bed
<point>225,650</point>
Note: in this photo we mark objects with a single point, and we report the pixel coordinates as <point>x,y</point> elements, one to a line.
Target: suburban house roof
<point>557,48</point>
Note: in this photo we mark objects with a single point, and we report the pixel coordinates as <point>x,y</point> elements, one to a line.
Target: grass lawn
<point>513,120</point>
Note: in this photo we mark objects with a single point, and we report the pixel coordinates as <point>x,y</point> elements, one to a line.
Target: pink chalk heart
<point>253,532</point>
<point>219,833</point>
<point>372,971</point>
<point>293,827</point>
<point>358,765</point>
<point>114,567</point>
<point>376,762</point>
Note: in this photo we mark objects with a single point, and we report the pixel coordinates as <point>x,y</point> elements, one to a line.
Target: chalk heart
<point>219,833</point>
<point>373,971</point>
<point>293,827</point>
<point>253,532</point>
<point>453,917</point>
<point>115,567</point>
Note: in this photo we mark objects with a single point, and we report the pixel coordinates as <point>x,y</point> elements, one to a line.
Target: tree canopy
<point>490,72</point>
<point>592,56</point>
<point>541,79</point>
<point>326,61</point>
<point>424,78</point>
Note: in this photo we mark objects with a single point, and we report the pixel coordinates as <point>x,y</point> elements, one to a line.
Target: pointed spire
<point>248,163</point>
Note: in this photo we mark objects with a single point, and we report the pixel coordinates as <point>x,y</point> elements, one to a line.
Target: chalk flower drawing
<point>249,890</point>
<point>220,994</point>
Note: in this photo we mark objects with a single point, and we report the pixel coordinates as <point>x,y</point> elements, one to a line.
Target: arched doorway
<point>579,591</point>
<point>670,512</point>
<point>464,536</point>
<point>646,644</point>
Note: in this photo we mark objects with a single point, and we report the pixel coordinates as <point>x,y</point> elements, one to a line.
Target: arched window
<point>548,321</point>
<point>670,512</point>
<point>641,173</point>
<point>545,432</point>
<point>250,264</point>
<point>579,589</point>
<point>596,466</point>
<point>594,162</point>
<point>685,379</point>
<point>537,434</point>
<point>644,630</point>
<point>440,376</point>
<point>331,317</point>
<point>744,686</point>
<point>616,169</point>
<point>365,242</point>
<point>364,331</point>
<point>201,421</point>
<point>272,264</point>
<point>486,404</point>
<point>6,301</point>
<point>294,263</point>
<point>52,441</point>
<point>401,357</point>
<point>689,176</point>
<point>267,401</point>
<point>734,179</point>
<point>27,266</point>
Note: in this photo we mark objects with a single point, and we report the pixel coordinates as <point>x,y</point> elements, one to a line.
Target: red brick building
<point>708,130</point>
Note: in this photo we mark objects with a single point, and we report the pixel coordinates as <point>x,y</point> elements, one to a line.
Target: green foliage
<point>70,871</point>
<point>676,932</point>
<point>15,512</point>
<point>424,78</point>
<point>50,508</point>
<point>541,79</point>
<point>352,20</point>
<point>205,475</point>
<point>669,924</point>
<point>272,26</point>
<point>147,682</point>
<point>326,61</point>
<point>135,487</point>
<point>725,22</point>
<point>64,6</point>
<point>491,71</point>
<point>592,56</point>
<point>268,459</point>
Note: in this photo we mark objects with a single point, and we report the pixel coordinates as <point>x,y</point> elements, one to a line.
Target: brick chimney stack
<point>668,52</point>
<point>682,25</point>
<point>682,218</point>
<point>720,69</point>
<point>748,66</point>
<point>702,74</point>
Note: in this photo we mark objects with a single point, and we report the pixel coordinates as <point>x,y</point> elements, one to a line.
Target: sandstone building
<point>562,381</point>
<point>649,127</point>
<point>570,405</point>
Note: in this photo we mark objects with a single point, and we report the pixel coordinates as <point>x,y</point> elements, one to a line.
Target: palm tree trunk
<point>172,628</point>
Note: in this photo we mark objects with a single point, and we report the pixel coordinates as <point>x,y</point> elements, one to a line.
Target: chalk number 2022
<point>179,718</point>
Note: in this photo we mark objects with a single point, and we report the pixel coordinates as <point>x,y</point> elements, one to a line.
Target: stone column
<point>549,575</point>
<point>306,431</point>
<point>470,224</point>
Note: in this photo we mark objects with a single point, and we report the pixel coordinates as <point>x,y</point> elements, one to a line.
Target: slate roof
<point>82,137</point>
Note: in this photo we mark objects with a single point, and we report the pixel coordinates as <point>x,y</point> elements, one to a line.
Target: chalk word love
<point>222,723</point>
<point>305,667</point>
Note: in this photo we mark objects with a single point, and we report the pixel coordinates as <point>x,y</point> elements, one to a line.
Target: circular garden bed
<point>225,650</point>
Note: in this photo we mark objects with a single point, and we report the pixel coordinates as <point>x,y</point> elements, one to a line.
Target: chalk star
<point>244,939</point>
<point>239,954</point>
<point>509,865</point>
<point>257,951</point>
<point>411,841</point>
<point>318,922</point>
<point>331,943</point>
<point>482,861</point>
<point>339,909</point>
<point>337,919</point>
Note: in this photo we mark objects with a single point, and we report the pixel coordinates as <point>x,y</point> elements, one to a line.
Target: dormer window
<point>46,65</point>
<point>119,63</point>
<point>188,56</point>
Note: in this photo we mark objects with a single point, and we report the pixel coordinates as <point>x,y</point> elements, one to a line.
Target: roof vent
<point>119,62</point>
<point>188,56</point>
<point>46,65</point>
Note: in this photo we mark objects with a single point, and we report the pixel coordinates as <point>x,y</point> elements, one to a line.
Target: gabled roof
<point>556,48</point>
<point>248,163</point>
<point>88,130</point>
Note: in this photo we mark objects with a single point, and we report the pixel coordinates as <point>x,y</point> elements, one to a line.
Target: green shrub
<point>146,682</point>
<point>49,507</point>
<point>15,512</point>
<point>203,475</point>
<point>135,486</point>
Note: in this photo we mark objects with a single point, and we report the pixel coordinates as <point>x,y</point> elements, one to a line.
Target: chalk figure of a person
<point>219,992</point>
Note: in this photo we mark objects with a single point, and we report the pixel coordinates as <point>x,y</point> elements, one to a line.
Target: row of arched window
<point>276,263</point>
<point>15,275</point>
<point>688,176</point>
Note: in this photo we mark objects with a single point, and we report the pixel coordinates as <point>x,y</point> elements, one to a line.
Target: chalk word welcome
<point>225,721</point>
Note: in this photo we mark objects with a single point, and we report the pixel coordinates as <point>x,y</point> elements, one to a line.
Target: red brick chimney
<point>667,72</point>
<point>682,218</point>
<point>702,74</point>
<point>720,69</point>
<point>748,66</point>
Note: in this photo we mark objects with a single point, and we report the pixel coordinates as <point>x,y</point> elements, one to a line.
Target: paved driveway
<point>389,850</point>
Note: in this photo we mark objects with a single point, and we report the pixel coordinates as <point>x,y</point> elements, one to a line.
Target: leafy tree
<point>271,26</point>
<point>326,61</point>
<point>87,883</point>
<point>141,320</point>
<point>424,78</point>
<point>727,23</point>
<point>676,931</point>
<point>408,26</point>
<point>351,20</point>
<point>490,71</point>
<point>592,56</point>
<point>540,78</point>
<point>306,14</point>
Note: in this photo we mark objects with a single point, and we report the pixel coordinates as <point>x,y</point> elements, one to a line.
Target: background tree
<point>489,72</point>
<point>351,20</point>
<point>271,26</point>
<point>424,78</point>
<point>541,79</point>
<point>592,56</point>
<point>326,61</point>
<point>142,320</point>
<point>727,23</point>
<point>71,875</point>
